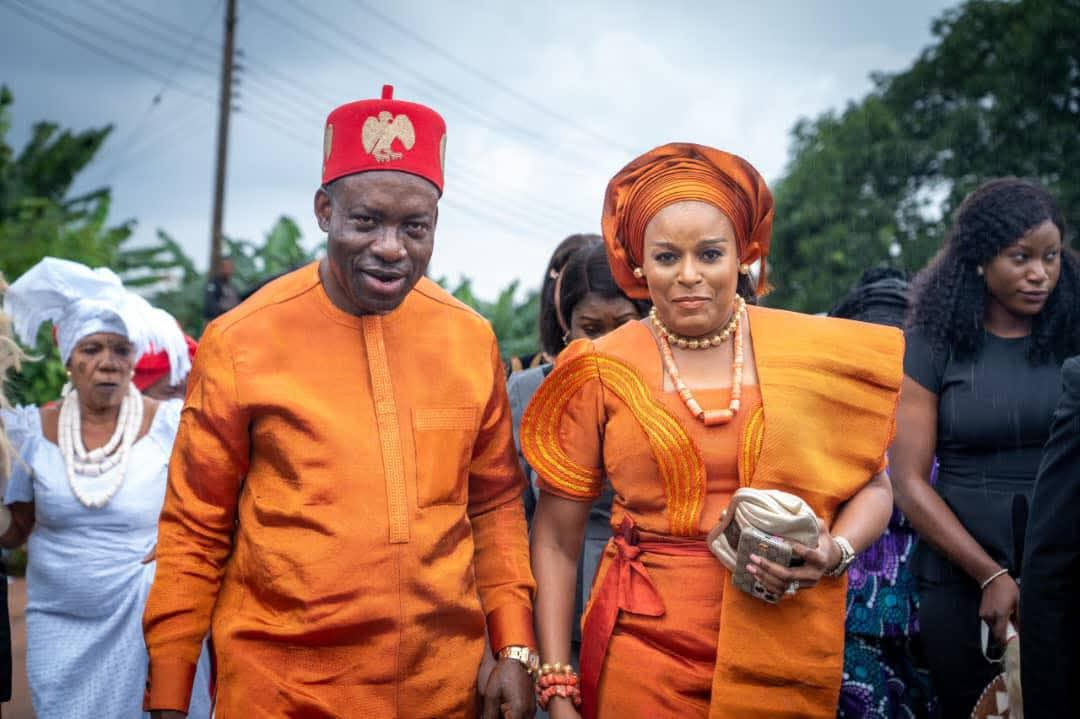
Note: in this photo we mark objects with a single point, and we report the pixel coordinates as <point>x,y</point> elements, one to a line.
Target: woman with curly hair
<point>994,315</point>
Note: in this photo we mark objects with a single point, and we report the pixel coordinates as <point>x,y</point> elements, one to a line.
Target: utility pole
<point>224,108</point>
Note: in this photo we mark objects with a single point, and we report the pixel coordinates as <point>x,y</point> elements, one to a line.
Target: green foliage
<point>281,251</point>
<point>180,289</point>
<point>41,377</point>
<point>514,323</point>
<point>37,218</point>
<point>997,93</point>
<point>178,286</point>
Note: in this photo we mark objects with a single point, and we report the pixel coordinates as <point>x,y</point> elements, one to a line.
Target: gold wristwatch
<point>528,658</point>
<point>847,556</point>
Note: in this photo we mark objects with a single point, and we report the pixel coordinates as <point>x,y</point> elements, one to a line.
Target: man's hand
<point>168,714</point>
<point>509,693</point>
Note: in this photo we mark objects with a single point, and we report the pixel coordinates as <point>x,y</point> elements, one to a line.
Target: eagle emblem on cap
<point>379,133</point>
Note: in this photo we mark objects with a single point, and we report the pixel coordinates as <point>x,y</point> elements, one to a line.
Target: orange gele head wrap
<point>677,172</point>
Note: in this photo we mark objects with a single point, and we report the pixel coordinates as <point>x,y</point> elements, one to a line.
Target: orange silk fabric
<point>343,511</point>
<point>828,391</point>
<point>677,172</point>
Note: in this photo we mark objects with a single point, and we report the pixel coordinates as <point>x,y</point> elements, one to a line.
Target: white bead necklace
<point>81,462</point>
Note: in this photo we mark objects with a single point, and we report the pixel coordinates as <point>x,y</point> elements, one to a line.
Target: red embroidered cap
<point>384,134</point>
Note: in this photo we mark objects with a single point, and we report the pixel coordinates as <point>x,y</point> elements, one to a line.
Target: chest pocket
<point>444,438</point>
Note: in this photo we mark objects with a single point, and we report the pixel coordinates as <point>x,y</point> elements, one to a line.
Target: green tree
<point>997,93</point>
<point>175,285</point>
<point>282,250</point>
<point>514,323</point>
<point>39,218</point>
<point>166,270</point>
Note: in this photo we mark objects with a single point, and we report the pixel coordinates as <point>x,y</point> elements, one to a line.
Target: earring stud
<point>744,269</point>
<point>639,273</point>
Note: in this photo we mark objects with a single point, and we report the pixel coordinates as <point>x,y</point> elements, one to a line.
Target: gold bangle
<point>556,668</point>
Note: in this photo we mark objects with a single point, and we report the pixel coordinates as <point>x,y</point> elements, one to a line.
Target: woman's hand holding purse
<point>816,562</point>
<point>774,544</point>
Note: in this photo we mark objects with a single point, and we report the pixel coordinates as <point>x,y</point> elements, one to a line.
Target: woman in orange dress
<point>678,411</point>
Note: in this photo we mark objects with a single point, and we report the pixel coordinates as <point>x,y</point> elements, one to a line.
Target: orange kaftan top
<point>828,391</point>
<point>343,511</point>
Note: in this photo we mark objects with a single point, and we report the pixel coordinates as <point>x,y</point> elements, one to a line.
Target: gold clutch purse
<point>763,522</point>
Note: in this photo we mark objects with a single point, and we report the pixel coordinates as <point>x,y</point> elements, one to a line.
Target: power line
<point>279,97</point>
<point>507,211</point>
<point>152,30</point>
<point>166,41</point>
<point>553,213</point>
<point>493,121</point>
<point>155,101</point>
<point>493,81</point>
<point>161,144</point>
<point>270,107</point>
<point>466,178</point>
<point>120,40</point>
<point>66,33</point>
<point>466,181</point>
<point>134,9</point>
<point>486,217</point>
<point>544,212</point>
<point>131,151</point>
<point>282,126</point>
<point>254,66</point>
<point>486,120</point>
<point>78,40</point>
<point>482,189</point>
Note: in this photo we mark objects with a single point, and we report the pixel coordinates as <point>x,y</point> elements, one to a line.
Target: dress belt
<point>626,586</point>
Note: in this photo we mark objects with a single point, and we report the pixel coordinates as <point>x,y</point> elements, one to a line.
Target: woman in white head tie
<point>86,488</point>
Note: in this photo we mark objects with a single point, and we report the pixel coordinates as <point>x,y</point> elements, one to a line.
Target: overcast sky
<point>544,100</point>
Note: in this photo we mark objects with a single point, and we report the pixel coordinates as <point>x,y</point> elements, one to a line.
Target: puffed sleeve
<point>562,430</point>
<point>23,428</point>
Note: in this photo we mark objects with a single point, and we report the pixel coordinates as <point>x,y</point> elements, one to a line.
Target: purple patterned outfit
<point>883,678</point>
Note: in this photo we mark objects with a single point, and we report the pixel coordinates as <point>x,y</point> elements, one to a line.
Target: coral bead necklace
<point>711,417</point>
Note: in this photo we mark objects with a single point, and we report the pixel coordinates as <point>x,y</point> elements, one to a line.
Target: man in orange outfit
<point>344,503</point>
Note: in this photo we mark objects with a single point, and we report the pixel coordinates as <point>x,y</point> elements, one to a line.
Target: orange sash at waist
<point>626,585</point>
